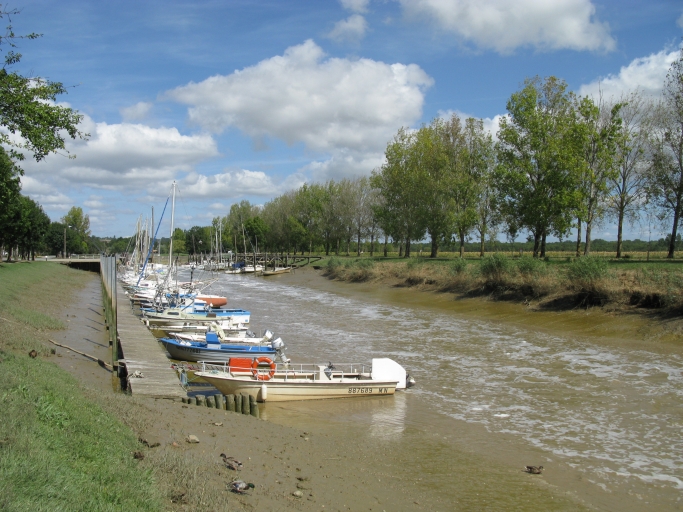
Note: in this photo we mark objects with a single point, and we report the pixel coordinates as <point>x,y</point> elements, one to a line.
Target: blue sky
<point>248,99</point>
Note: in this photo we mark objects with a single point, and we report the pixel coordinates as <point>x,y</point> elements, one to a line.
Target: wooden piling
<point>201,400</point>
<point>245,404</point>
<point>253,406</point>
<point>210,402</point>
<point>238,403</point>
<point>230,403</point>
<point>220,402</point>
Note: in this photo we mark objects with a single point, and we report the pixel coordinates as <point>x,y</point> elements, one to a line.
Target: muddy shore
<point>334,468</point>
<point>327,473</point>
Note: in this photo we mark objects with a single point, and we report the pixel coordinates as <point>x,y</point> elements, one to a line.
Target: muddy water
<point>600,410</point>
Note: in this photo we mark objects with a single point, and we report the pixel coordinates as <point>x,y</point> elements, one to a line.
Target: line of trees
<point>560,162</point>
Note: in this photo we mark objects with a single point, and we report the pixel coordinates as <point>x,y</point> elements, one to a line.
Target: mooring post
<point>253,406</point>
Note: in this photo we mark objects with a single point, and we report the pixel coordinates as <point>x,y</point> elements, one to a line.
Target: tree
<point>54,239</point>
<point>32,122</point>
<point>362,202</point>
<point>665,187</point>
<point>599,129</point>
<point>34,225</point>
<point>10,188</point>
<point>470,184</point>
<point>179,241</point>
<point>78,221</point>
<point>540,162</point>
<point>487,215</point>
<point>434,158</point>
<point>308,208</point>
<point>198,240</point>
<point>628,186</point>
<point>255,229</point>
<point>400,215</point>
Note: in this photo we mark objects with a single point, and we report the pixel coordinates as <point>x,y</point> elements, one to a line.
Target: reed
<point>585,281</point>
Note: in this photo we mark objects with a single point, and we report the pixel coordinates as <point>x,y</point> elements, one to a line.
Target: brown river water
<point>595,399</point>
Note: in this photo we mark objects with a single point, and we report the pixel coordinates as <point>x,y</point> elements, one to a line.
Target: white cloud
<point>644,73</point>
<point>124,157</point>
<point>346,109</point>
<point>94,202</point>
<point>355,5</point>
<point>136,112</point>
<point>344,166</point>
<point>351,29</point>
<point>228,185</point>
<point>46,194</point>
<point>679,21</point>
<point>503,25</point>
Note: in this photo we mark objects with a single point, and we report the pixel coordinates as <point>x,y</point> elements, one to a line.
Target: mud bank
<point>310,464</point>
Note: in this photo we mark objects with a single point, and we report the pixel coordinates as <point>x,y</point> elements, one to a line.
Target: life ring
<point>256,368</point>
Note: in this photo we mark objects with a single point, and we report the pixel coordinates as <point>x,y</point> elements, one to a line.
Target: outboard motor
<point>279,346</point>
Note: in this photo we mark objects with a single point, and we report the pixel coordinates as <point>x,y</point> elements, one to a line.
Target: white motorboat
<point>266,380</point>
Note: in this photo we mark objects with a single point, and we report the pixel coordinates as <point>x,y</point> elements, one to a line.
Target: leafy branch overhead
<point>31,120</point>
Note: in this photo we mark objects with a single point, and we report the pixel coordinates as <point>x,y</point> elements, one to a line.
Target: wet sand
<point>348,455</point>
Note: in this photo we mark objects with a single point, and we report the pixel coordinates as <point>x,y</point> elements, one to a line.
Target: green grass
<point>59,449</point>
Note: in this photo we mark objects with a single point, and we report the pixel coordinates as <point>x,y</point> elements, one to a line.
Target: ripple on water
<point>612,413</point>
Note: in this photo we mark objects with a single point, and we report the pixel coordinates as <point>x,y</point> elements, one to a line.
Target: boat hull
<point>193,353</point>
<point>280,390</point>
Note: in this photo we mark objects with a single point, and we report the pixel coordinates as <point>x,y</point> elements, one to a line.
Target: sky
<point>239,99</point>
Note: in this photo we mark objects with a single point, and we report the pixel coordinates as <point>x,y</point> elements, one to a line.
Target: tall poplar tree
<point>539,153</point>
<point>400,215</point>
<point>665,187</point>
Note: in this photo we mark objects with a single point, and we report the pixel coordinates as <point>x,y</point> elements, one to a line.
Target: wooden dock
<point>142,353</point>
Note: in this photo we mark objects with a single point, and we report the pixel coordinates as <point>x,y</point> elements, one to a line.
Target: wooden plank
<point>143,353</point>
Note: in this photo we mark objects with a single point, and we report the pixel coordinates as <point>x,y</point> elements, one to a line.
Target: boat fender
<point>264,392</point>
<point>257,366</point>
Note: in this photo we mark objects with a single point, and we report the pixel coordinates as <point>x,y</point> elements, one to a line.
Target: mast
<point>152,225</point>
<point>170,244</point>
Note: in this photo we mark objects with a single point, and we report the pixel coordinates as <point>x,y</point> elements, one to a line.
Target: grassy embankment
<point>60,448</point>
<point>555,283</point>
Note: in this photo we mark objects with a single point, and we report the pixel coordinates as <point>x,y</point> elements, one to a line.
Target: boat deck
<point>142,352</point>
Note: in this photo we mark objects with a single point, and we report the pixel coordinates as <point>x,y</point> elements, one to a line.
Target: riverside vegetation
<point>572,282</point>
<point>63,444</point>
<point>53,455</point>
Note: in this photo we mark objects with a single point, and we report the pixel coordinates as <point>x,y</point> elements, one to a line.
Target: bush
<point>531,266</point>
<point>458,266</point>
<point>413,263</point>
<point>333,263</point>
<point>495,266</point>
<point>586,270</point>
<point>364,263</point>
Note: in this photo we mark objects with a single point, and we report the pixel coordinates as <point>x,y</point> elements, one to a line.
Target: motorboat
<point>181,316</point>
<point>212,350</point>
<point>267,380</point>
<point>276,271</point>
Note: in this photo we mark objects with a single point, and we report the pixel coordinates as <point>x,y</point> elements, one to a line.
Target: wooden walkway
<point>141,352</point>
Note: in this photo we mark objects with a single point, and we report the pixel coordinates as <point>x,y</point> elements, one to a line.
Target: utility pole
<point>64,253</point>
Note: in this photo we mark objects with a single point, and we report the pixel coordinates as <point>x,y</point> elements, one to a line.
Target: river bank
<point>331,468</point>
<point>648,294</point>
<point>399,453</point>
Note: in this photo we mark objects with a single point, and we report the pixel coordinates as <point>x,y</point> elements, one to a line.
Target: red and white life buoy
<point>258,366</point>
